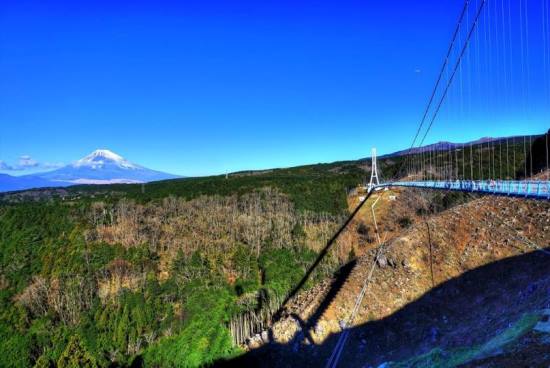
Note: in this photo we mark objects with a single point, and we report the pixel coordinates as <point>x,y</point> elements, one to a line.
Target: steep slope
<point>466,284</point>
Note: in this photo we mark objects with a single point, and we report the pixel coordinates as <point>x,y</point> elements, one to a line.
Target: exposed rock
<point>382,261</point>
<point>464,238</point>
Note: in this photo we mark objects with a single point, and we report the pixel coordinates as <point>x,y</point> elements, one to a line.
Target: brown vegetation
<point>428,252</point>
<point>211,225</point>
<point>66,297</point>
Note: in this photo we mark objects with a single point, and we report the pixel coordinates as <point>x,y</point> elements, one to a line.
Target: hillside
<point>318,187</point>
<point>483,158</point>
<point>467,285</point>
<point>120,280</point>
<point>182,272</point>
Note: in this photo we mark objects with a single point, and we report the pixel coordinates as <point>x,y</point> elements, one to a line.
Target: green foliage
<point>177,322</point>
<point>283,268</point>
<point>76,355</point>
<point>43,362</point>
<point>15,348</point>
<point>98,255</point>
<point>27,232</point>
<point>537,157</point>
<point>180,321</point>
<point>142,257</point>
<point>190,268</point>
<point>316,188</point>
<point>247,267</point>
<point>204,337</point>
<point>119,328</point>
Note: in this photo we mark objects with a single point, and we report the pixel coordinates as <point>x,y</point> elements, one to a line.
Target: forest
<point>171,273</point>
<point>152,283</point>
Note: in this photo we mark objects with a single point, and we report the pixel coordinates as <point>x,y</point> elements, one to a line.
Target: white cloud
<point>52,165</point>
<point>4,166</point>
<point>26,162</point>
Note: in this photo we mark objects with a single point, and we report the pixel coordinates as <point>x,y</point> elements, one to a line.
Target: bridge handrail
<point>537,189</point>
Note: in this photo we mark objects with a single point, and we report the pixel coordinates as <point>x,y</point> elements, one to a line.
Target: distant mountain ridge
<point>444,146</point>
<point>99,167</point>
<point>106,167</point>
<point>10,183</point>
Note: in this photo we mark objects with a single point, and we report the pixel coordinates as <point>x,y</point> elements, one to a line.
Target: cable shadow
<point>280,312</point>
<point>465,311</point>
<point>336,285</point>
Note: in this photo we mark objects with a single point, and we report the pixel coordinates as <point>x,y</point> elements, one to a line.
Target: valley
<point>190,271</point>
<point>275,184</point>
<point>464,286</point>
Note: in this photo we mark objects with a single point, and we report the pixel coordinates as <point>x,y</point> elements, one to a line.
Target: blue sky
<point>198,88</point>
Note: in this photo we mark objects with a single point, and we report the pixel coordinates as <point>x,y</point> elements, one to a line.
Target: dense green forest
<point>123,278</point>
<point>156,274</point>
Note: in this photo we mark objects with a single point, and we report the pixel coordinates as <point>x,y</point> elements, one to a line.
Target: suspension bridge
<point>496,71</point>
<point>489,45</point>
<point>480,65</point>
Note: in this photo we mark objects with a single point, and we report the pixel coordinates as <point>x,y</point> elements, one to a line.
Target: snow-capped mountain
<point>99,167</point>
<point>101,157</point>
<point>104,167</point>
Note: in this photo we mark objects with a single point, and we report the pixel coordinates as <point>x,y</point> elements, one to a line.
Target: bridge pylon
<point>374,172</point>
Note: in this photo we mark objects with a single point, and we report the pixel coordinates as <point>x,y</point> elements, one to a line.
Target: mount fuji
<point>99,167</point>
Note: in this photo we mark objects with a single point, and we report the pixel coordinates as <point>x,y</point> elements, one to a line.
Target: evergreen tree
<point>76,355</point>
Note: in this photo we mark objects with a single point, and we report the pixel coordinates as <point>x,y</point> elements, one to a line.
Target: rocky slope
<point>464,286</point>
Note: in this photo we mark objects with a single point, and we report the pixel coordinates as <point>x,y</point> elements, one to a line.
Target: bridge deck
<point>515,188</point>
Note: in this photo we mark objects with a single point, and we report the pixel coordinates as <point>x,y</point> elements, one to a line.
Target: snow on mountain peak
<point>106,154</point>
<point>100,157</point>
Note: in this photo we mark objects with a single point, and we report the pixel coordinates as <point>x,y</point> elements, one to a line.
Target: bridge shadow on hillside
<point>339,280</point>
<point>462,312</point>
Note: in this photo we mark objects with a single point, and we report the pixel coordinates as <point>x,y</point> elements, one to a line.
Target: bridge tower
<point>373,172</point>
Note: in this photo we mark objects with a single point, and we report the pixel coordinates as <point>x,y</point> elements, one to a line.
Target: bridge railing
<point>517,188</point>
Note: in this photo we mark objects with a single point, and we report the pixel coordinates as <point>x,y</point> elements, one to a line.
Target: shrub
<point>405,222</point>
<point>76,355</point>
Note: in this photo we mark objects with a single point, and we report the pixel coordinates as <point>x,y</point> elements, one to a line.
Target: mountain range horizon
<point>103,166</point>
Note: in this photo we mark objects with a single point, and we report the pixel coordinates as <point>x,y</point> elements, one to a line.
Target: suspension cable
<point>445,92</point>
<point>507,161</point>
<point>440,76</point>
<point>471,162</point>
<point>530,157</point>
<point>525,157</point>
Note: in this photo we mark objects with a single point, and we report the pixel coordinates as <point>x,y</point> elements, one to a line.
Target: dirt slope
<point>423,269</point>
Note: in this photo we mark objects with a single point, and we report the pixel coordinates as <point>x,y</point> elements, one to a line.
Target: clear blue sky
<point>205,87</point>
